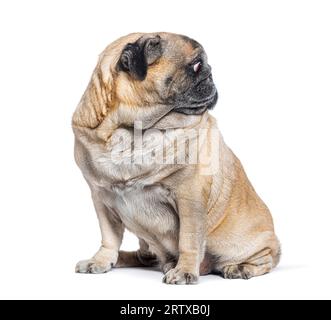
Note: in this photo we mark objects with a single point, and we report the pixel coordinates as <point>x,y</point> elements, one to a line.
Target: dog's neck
<point>145,117</point>
<point>160,117</point>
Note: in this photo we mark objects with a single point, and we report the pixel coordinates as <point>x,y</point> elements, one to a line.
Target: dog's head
<point>145,70</point>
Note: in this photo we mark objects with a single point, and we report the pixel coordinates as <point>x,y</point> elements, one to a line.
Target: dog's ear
<point>136,57</point>
<point>152,49</point>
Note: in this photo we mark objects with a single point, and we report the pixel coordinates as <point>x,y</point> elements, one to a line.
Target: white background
<point>272,67</point>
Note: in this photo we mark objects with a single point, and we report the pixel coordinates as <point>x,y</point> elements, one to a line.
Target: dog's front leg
<point>192,234</point>
<point>112,233</point>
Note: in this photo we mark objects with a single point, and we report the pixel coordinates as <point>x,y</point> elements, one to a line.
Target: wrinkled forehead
<point>173,44</point>
<point>176,48</point>
<point>181,47</point>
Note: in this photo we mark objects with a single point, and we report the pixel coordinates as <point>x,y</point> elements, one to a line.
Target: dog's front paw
<point>180,276</point>
<point>168,266</point>
<point>93,266</point>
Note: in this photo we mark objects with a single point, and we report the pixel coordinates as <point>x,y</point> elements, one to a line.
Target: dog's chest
<point>129,177</point>
<point>143,207</point>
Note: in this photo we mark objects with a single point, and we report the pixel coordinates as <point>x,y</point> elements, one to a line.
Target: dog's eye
<point>197,66</point>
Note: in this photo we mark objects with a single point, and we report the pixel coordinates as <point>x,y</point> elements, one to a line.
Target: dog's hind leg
<point>257,265</point>
<point>140,258</point>
<point>127,259</point>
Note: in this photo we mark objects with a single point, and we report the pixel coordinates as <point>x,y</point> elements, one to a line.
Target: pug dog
<point>193,209</point>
